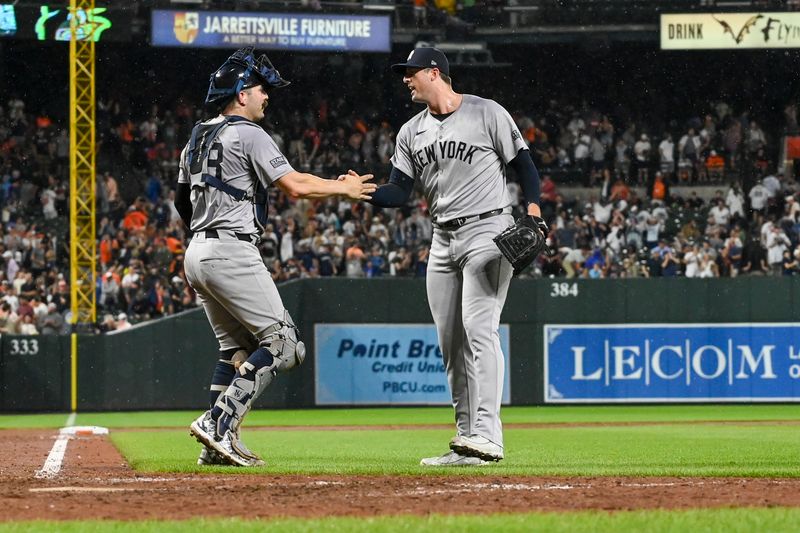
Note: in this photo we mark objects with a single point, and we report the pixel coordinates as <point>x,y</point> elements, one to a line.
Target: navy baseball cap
<point>428,57</point>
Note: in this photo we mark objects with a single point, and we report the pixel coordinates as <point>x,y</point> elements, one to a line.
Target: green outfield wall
<point>166,364</point>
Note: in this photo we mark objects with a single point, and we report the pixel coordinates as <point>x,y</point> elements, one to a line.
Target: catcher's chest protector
<point>204,158</point>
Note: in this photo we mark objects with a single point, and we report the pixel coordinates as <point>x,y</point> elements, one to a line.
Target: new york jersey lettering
<point>439,151</point>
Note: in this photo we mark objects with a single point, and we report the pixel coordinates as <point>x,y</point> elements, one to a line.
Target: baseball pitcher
<point>225,170</point>
<point>458,149</point>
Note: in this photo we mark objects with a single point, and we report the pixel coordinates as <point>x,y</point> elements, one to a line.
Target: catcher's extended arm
<point>523,241</point>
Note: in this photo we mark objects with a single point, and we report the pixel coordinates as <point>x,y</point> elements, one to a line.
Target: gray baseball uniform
<point>222,263</point>
<point>460,162</point>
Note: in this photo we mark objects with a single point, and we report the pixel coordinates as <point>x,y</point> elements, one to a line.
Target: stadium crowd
<point>628,224</point>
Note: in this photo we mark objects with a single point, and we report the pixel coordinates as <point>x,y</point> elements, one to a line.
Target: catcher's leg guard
<point>224,372</point>
<point>282,339</point>
<point>252,377</point>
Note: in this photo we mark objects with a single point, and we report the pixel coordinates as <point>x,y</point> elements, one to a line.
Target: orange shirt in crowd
<point>659,190</point>
<point>135,219</point>
<point>105,251</point>
<point>175,245</point>
<point>715,162</point>
<point>354,252</point>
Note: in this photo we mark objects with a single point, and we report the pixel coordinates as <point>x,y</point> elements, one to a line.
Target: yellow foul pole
<point>82,174</point>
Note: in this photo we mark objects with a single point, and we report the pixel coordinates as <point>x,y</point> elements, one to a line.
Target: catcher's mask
<point>240,71</point>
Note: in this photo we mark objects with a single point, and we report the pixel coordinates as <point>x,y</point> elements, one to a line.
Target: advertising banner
<point>672,363</point>
<point>48,22</point>
<point>8,20</point>
<point>359,364</point>
<point>703,31</point>
<point>280,31</point>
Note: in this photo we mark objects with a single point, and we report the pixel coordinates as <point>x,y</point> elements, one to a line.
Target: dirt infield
<point>95,482</point>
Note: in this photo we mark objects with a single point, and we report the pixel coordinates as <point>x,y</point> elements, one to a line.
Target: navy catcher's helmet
<point>241,71</point>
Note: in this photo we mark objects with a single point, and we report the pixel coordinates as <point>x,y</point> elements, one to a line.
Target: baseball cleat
<point>477,446</point>
<point>208,457</point>
<point>244,451</point>
<point>204,430</point>
<point>451,458</point>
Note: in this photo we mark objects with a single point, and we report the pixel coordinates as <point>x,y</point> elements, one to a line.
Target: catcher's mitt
<point>523,241</point>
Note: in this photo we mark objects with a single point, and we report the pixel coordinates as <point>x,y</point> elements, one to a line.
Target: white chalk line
<point>81,489</point>
<point>462,488</point>
<point>52,465</point>
<point>144,479</point>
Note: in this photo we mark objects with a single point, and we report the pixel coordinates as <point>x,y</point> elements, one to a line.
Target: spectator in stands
<point>689,154</point>
<point>355,259</point>
<point>399,262</point>
<point>39,307</point>
<point>574,259</point>
<point>756,139</point>
<point>691,260</point>
<point>598,156</point>
<point>777,243</point>
<point>122,322</point>
<point>759,195</point>
<point>659,190</point>
<point>708,266</point>
<point>620,192</point>
<point>108,324</point>
<point>731,255</point>
<point>714,166</point>
<point>136,217</point>
<point>772,183</point>
<point>60,296</point>
<point>732,140</point>
<point>375,263</point>
<point>666,156</point>
<point>734,200</point>
<point>9,320</point>
<point>720,214</point>
<point>790,262</point>
<point>12,267</point>
<point>652,232</point>
<point>641,152</point>
<point>27,326</point>
<point>53,322</point>
<point>582,152</point>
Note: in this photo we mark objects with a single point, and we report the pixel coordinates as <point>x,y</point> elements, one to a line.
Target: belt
<point>456,223</point>
<point>214,234</point>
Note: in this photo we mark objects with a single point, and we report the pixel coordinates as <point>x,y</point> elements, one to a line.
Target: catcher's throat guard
<point>523,241</point>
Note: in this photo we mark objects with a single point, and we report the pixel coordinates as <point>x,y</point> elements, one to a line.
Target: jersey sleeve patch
<point>278,162</point>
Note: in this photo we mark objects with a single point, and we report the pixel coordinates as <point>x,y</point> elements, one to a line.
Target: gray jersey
<point>461,160</point>
<point>243,152</point>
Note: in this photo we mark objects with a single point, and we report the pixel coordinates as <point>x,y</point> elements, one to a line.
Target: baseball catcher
<point>522,242</point>
<point>226,168</point>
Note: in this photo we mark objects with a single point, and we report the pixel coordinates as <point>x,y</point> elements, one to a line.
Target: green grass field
<point>749,441</point>
<point>706,521</point>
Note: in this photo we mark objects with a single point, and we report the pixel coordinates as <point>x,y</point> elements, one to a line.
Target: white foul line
<point>52,465</point>
<point>81,489</point>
